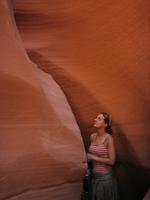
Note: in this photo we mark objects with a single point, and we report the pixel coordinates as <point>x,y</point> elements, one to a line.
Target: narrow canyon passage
<point>63,62</point>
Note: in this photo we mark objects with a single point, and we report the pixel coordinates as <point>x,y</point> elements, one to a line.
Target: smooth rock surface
<point>42,154</point>
<point>98,52</point>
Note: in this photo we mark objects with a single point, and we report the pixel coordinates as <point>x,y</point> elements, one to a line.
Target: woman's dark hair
<point>108,122</point>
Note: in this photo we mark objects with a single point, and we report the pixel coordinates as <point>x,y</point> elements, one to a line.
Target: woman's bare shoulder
<point>110,139</point>
<point>93,136</point>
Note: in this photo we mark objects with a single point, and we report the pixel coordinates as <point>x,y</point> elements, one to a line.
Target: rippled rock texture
<point>42,155</point>
<point>98,53</point>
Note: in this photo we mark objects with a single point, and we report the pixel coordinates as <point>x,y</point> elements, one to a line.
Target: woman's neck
<point>101,132</point>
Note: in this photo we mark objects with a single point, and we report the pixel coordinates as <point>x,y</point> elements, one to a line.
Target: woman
<point>102,154</point>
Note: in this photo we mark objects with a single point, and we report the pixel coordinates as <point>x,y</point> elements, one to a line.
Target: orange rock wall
<point>98,52</point>
<point>41,150</point>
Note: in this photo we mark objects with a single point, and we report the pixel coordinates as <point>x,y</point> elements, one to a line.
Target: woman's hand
<point>90,157</point>
<point>93,157</point>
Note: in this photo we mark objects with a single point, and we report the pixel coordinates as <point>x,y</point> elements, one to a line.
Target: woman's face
<point>99,121</point>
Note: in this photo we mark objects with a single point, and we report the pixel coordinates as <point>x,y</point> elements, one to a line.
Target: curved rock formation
<point>41,149</point>
<point>98,52</point>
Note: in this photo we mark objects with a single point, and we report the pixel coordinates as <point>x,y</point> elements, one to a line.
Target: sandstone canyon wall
<point>41,150</point>
<point>98,53</point>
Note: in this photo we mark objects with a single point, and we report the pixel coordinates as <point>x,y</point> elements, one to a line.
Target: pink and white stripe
<point>100,150</point>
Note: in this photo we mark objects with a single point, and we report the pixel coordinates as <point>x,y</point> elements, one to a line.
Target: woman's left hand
<point>91,156</point>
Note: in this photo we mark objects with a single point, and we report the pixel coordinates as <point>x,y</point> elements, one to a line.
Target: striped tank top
<point>100,150</point>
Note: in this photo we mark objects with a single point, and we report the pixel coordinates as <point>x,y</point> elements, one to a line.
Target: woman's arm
<point>93,137</point>
<point>111,152</point>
